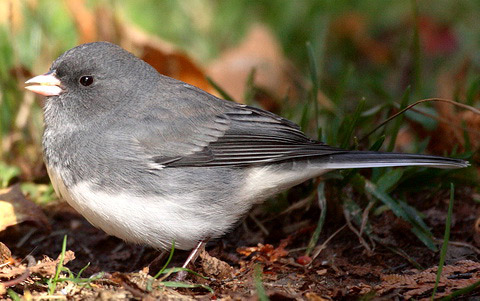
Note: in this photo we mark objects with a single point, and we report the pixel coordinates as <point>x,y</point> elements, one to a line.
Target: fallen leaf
<point>414,283</point>
<point>259,51</point>
<point>247,251</point>
<point>85,20</point>
<point>265,253</point>
<point>175,64</point>
<point>102,24</point>
<point>46,267</point>
<point>304,260</point>
<point>454,122</point>
<point>5,255</point>
<point>314,297</point>
<point>163,56</point>
<point>359,289</point>
<point>16,209</point>
<point>352,27</point>
<point>215,267</point>
<point>437,39</point>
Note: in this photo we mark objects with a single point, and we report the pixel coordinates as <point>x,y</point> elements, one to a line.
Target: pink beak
<point>46,84</point>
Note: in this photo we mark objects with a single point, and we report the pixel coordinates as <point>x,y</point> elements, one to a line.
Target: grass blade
<point>446,239</point>
<point>378,144</point>
<point>222,92</point>
<point>462,291</point>
<point>406,212</point>
<point>417,54</point>
<point>176,284</point>
<point>351,124</point>
<point>398,122</point>
<point>175,270</point>
<point>261,294</point>
<point>170,256</point>
<point>52,282</point>
<point>389,179</point>
<point>315,84</point>
<point>322,203</point>
<point>12,294</point>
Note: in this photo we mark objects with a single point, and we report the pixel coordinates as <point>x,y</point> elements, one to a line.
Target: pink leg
<point>191,259</point>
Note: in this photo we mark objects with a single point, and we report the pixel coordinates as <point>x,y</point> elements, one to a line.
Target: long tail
<point>366,159</point>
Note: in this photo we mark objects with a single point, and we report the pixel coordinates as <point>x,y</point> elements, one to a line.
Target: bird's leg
<point>195,252</point>
<point>191,259</point>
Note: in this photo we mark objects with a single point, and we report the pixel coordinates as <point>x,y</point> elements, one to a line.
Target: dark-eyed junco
<point>153,160</point>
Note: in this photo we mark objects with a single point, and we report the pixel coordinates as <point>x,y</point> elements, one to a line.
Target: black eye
<point>86,80</point>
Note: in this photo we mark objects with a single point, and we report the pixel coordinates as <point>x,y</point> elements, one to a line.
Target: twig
<point>460,244</point>
<point>320,248</point>
<point>23,276</point>
<point>259,224</point>
<point>464,106</point>
<point>359,235</point>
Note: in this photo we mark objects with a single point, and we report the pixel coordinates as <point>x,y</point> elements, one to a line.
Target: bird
<point>155,161</point>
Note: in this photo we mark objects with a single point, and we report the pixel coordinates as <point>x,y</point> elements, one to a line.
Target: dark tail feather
<point>366,159</point>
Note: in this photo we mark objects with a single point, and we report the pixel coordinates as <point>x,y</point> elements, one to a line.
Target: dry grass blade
<point>409,107</point>
<point>323,246</point>
<point>357,232</point>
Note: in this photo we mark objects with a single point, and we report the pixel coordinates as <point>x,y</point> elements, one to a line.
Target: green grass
<point>166,272</point>
<point>261,293</point>
<point>53,282</point>
<point>446,239</point>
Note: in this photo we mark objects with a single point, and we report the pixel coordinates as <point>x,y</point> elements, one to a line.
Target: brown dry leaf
<point>415,283</point>
<point>353,26</point>
<point>215,267</point>
<point>260,51</point>
<point>265,253</point>
<point>247,251</point>
<point>46,267</point>
<point>175,64</point>
<point>359,289</point>
<point>15,209</point>
<point>163,56</point>
<point>437,39</point>
<point>450,84</point>
<point>279,252</point>
<point>129,283</point>
<point>97,24</point>
<point>304,260</point>
<point>5,255</point>
<point>103,24</point>
<point>84,20</point>
<point>315,297</point>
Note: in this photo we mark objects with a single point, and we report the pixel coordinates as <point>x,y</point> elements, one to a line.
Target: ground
<point>253,259</point>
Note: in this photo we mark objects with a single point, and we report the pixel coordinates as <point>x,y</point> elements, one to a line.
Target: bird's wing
<point>213,132</point>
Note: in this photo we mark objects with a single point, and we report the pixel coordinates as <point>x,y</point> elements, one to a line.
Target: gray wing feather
<point>241,135</point>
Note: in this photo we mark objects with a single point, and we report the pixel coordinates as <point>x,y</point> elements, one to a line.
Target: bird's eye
<point>86,80</point>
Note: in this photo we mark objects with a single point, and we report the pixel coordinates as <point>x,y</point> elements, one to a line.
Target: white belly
<point>153,221</point>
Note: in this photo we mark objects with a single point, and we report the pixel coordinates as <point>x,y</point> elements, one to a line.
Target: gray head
<point>90,80</point>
